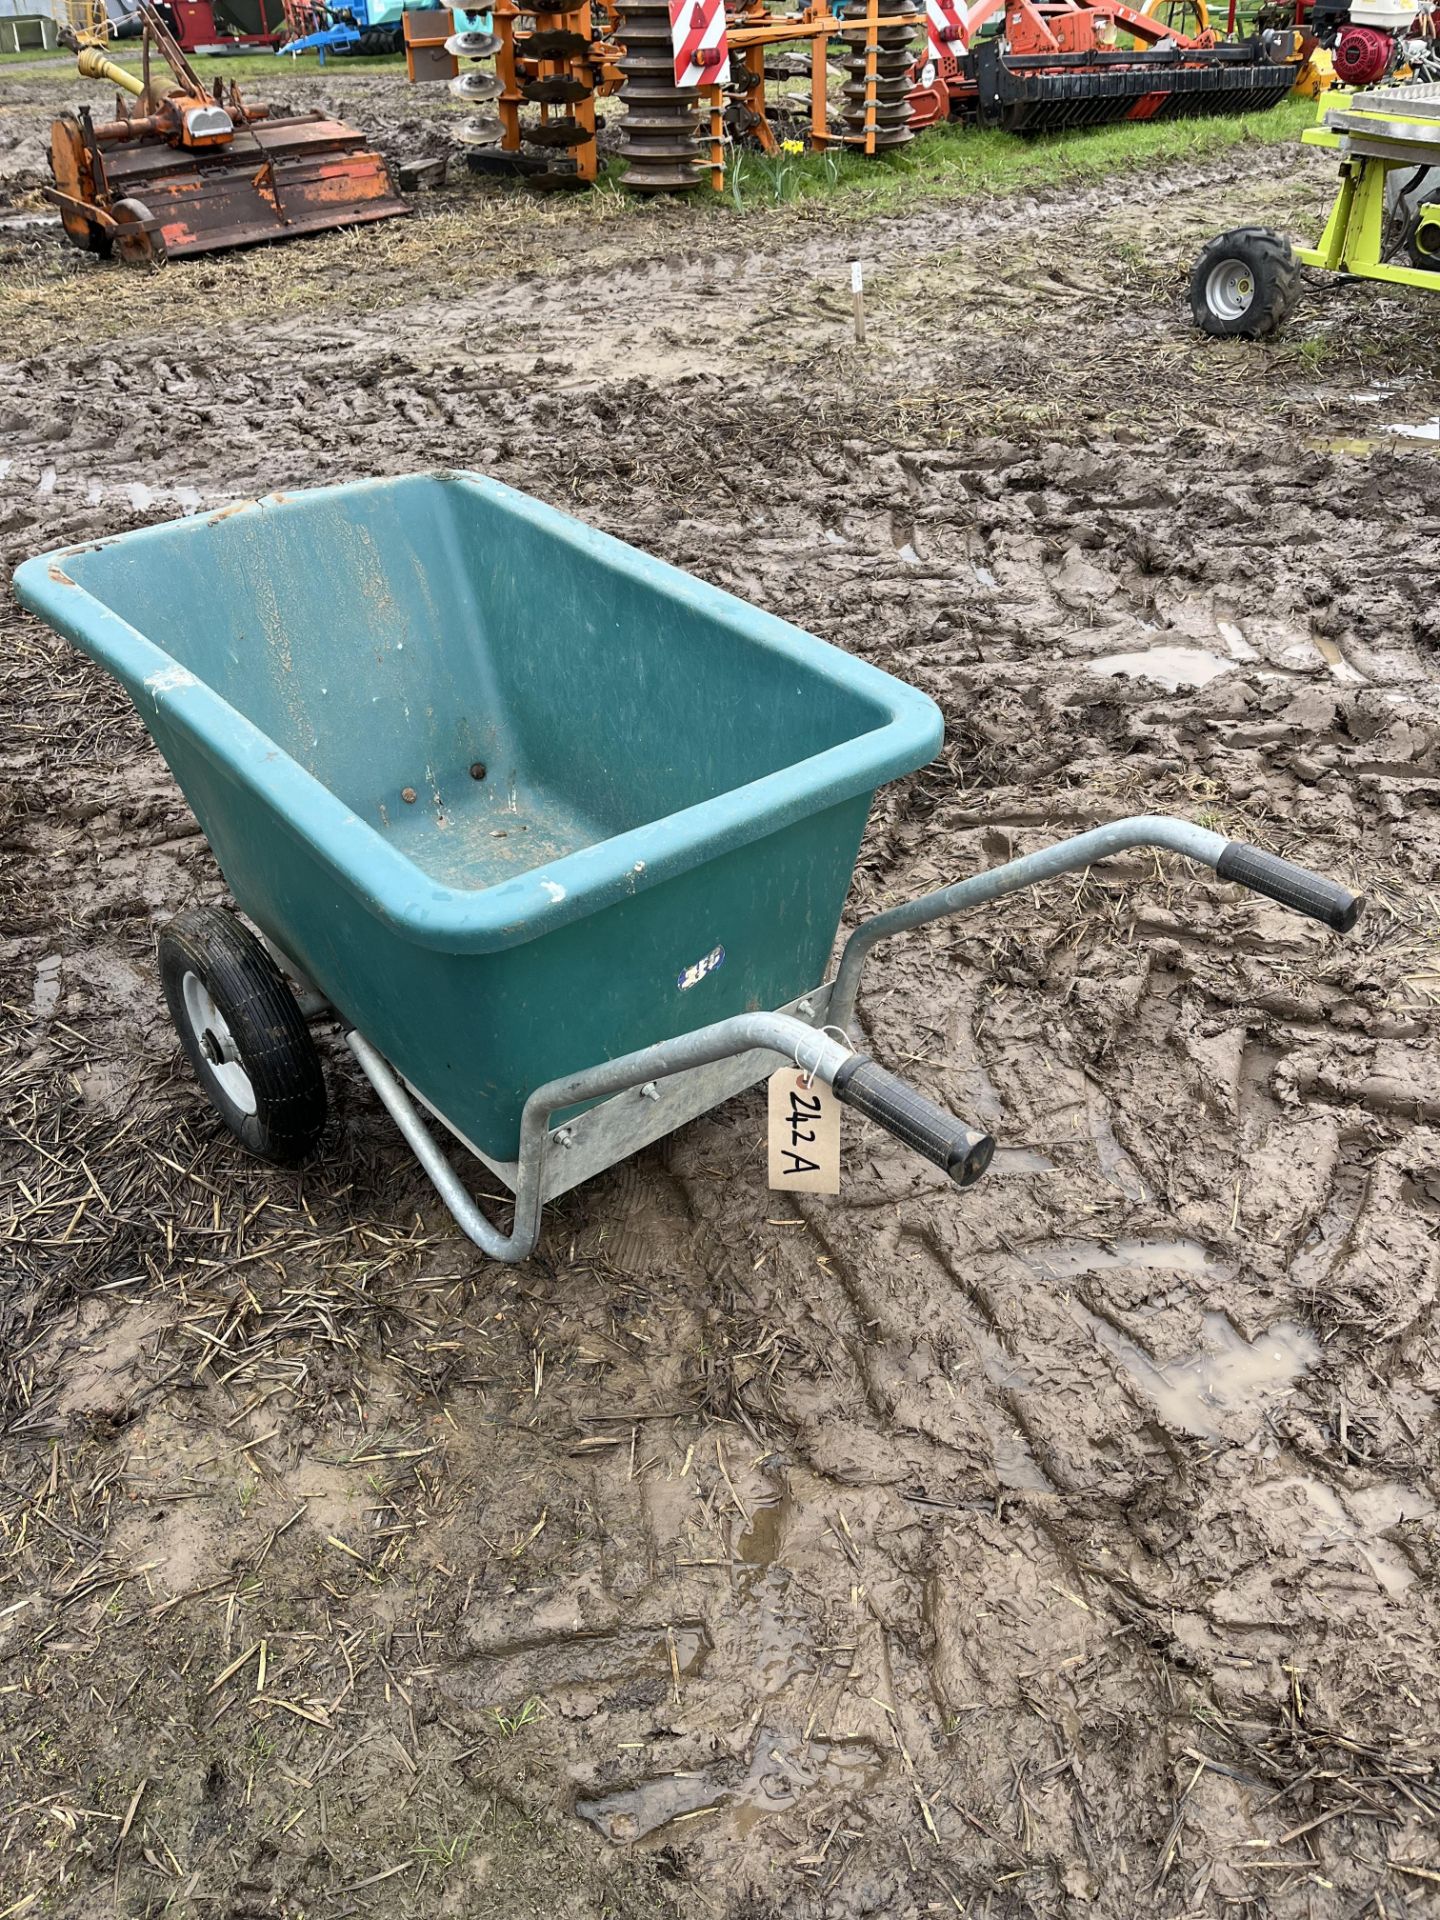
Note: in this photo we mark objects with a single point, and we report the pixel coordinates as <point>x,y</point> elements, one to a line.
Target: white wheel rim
<point>1230,290</point>
<point>217,1043</point>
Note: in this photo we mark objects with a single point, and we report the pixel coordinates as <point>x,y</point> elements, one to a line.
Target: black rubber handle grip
<point>1292,886</point>
<point>917,1122</point>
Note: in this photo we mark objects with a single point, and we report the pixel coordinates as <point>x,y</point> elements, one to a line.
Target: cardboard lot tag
<point>804,1137</point>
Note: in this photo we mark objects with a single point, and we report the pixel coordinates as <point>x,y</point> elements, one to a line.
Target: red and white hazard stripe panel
<point>702,51</point>
<point>947,25</point>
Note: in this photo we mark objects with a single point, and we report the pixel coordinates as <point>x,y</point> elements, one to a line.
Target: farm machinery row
<point>190,168</point>
<point>699,80</point>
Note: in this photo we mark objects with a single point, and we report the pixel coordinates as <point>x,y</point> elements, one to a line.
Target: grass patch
<point>953,162</point>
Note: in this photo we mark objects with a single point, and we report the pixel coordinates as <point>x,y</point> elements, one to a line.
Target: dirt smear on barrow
<point>1068,1546</point>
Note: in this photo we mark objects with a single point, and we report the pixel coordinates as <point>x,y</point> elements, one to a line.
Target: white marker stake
<point>857,290</point>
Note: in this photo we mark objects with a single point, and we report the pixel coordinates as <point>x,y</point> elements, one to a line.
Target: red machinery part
<point>1361,56</point>
<point>930,91</point>
<point>203,26</point>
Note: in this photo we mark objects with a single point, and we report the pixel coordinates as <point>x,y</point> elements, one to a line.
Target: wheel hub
<point>1230,289</point>
<point>217,1043</point>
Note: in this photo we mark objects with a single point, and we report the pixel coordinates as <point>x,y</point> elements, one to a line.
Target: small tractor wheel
<point>1245,283</point>
<point>243,1033</point>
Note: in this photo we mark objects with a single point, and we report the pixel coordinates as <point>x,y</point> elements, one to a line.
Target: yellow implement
<point>1247,281</point>
<point>87,20</point>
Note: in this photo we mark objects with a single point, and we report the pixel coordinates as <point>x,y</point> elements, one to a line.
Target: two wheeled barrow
<point>559,835</point>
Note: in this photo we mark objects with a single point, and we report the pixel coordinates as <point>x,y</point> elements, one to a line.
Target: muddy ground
<point>1066,1547</point>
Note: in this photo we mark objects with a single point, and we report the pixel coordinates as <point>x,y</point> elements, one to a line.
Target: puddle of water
<point>1019,1160</point>
<point>1358,1519</point>
<point>984,576</point>
<point>759,1545</point>
<point>1169,667</point>
<point>1230,1376</point>
<point>1417,430</point>
<point>1354,445</point>
<point>1336,661</point>
<point>1063,1259</point>
<point>142,497</point>
<point>1115,1164</point>
<point>631,1813</point>
<point>692,1649</point>
<point>779,1772</point>
<point>596,1661</point>
<point>1377,390</point>
<point>1239,647</point>
<point>1016,1468</point>
<point>978,1095</point>
<point>781,1639</point>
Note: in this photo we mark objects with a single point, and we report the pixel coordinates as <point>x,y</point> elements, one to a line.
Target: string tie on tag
<point>810,1076</point>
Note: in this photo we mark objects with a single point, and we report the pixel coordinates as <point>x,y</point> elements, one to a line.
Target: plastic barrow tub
<point>560,835</point>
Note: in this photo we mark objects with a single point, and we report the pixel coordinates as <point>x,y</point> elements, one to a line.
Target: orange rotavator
<point>187,170</point>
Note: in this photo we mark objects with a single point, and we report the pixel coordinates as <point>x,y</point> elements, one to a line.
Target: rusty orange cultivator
<point>1056,64</point>
<point>187,170</point>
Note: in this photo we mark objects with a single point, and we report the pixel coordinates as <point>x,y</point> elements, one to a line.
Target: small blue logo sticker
<point>692,976</point>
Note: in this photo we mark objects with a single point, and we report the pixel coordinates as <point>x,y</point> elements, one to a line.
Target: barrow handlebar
<point>959,1152</point>
<point>962,1153</point>
<point>1295,887</point>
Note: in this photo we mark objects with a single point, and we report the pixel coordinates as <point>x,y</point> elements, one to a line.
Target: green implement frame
<point>1375,133</point>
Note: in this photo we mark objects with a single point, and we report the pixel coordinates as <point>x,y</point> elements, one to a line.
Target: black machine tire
<point>1245,284</point>
<point>243,1033</point>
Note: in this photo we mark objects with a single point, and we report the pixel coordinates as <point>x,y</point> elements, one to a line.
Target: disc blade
<point>481,132</point>
<point>555,44</point>
<point>557,133</point>
<point>473,45</point>
<point>475,85</point>
<point>559,90</point>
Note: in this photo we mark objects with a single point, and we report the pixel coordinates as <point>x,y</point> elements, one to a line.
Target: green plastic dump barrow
<point>561,836</point>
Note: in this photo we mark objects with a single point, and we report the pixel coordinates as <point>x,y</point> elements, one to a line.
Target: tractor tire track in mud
<point>1066,1546</point>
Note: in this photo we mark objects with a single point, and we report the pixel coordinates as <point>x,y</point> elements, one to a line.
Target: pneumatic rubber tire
<point>243,1033</point>
<point>1245,284</point>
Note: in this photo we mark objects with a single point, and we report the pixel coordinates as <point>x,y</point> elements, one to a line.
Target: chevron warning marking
<point>947,26</point>
<point>702,50</point>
